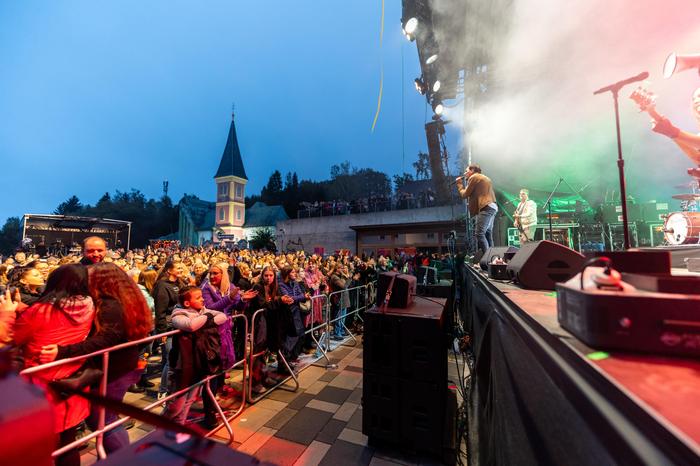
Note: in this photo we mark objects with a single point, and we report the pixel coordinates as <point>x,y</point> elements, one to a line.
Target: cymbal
<point>686,197</point>
<point>688,185</point>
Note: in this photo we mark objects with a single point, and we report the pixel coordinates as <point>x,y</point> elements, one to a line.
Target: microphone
<point>457,180</point>
<point>620,84</point>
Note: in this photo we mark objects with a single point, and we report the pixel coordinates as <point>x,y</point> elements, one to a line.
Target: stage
<point>540,396</point>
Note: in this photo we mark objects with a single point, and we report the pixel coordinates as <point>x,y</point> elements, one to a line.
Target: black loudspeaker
<point>541,264</point>
<point>504,252</point>
<point>403,290</point>
<point>428,276</point>
<point>404,376</point>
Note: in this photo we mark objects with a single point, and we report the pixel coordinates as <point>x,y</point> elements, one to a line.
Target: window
<point>221,213</point>
<point>223,189</point>
<point>430,235</point>
<point>239,190</point>
<point>238,214</point>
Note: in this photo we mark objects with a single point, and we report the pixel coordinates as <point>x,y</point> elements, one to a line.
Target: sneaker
<point>161,396</point>
<point>268,382</point>
<point>258,389</point>
<point>135,389</point>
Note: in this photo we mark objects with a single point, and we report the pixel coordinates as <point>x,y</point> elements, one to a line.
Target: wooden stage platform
<point>649,404</point>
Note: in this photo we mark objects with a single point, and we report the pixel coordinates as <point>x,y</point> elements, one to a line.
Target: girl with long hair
<point>292,326</point>
<point>62,315</point>
<point>122,316</point>
<point>267,325</point>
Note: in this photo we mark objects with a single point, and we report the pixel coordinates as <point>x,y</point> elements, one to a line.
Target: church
<point>226,219</point>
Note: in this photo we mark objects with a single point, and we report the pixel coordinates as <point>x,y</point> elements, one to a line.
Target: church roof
<point>231,162</point>
<point>263,215</point>
<point>200,213</point>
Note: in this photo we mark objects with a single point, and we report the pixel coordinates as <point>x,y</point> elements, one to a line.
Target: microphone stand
<point>549,206</point>
<point>615,90</point>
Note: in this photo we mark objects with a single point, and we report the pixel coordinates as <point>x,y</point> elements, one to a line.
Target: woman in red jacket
<point>62,315</point>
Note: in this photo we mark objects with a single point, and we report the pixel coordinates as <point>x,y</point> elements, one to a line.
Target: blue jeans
<point>339,331</point>
<point>484,228</point>
<point>164,364</point>
<point>116,389</point>
<point>178,408</point>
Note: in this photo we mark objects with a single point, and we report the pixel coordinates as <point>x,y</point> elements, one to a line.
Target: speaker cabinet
<point>403,289</point>
<point>541,264</point>
<point>428,276</point>
<point>404,376</point>
<point>504,252</point>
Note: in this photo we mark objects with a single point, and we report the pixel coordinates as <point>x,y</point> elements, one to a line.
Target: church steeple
<point>231,162</point>
<point>230,182</point>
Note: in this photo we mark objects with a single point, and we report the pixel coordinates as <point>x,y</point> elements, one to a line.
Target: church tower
<point>230,181</point>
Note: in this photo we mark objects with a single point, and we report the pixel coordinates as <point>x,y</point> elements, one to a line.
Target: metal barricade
<point>359,290</point>
<point>102,428</point>
<point>254,355</point>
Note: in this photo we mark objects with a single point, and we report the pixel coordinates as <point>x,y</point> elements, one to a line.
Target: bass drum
<point>682,228</point>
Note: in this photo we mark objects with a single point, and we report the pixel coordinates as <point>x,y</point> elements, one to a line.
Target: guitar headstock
<point>644,98</point>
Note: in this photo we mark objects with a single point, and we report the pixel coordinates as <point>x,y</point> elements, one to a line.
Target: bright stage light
<point>410,26</point>
<point>431,59</point>
<point>439,109</point>
<point>436,86</point>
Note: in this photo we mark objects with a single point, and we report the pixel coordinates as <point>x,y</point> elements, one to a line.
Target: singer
<point>479,194</point>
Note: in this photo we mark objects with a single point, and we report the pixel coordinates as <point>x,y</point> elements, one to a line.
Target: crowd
<point>400,200</point>
<point>54,308</point>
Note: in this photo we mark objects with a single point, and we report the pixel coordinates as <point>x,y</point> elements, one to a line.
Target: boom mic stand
<point>615,90</point>
<point>548,204</point>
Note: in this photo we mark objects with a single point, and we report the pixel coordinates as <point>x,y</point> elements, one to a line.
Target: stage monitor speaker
<point>654,262</point>
<point>403,290</point>
<point>504,252</point>
<point>428,276</point>
<point>541,264</point>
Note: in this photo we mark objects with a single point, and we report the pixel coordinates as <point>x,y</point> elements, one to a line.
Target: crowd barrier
<point>363,297</point>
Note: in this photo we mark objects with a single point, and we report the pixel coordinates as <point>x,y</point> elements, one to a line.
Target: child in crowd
<point>196,353</point>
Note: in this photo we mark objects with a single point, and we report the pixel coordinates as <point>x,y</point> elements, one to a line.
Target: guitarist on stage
<point>688,142</point>
<point>525,217</point>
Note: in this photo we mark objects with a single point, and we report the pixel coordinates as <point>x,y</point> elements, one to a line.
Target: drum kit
<point>684,227</point>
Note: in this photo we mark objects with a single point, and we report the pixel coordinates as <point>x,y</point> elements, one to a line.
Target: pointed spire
<point>231,162</point>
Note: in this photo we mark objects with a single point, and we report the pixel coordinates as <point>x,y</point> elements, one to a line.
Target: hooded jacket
<point>45,324</point>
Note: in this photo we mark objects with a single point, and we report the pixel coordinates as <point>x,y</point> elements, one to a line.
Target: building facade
<point>230,182</point>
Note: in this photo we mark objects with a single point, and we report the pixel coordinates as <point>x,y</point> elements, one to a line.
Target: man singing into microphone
<point>525,217</point>
<point>482,204</point>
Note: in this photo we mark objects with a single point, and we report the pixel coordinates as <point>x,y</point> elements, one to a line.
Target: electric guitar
<point>646,101</point>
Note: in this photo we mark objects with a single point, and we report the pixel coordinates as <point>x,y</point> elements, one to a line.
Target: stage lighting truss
<point>421,86</point>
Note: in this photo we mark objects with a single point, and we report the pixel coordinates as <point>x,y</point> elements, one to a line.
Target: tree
<point>340,170</point>
<point>9,236</point>
<point>263,238</point>
<point>271,194</point>
<point>401,180</point>
<point>71,206</point>
<point>422,166</point>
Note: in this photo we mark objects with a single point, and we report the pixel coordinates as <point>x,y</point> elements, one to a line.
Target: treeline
<point>346,183</point>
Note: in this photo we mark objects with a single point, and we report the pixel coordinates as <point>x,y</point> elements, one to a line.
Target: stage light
<point>438,109</point>
<point>410,26</point>
<point>431,59</point>
<point>436,86</point>
<point>420,86</point>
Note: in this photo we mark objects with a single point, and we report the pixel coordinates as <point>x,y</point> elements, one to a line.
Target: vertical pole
<point>621,172</point>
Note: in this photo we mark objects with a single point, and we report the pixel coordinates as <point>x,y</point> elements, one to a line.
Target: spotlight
<point>420,86</point>
<point>431,59</point>
<point>436,86</point>
<point>438,109</point>
<point>411,25</point>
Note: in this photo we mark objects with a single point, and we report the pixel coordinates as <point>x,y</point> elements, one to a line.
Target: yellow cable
<point>381,71</point>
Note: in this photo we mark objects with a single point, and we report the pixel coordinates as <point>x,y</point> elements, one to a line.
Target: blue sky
<point>100,96</point>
